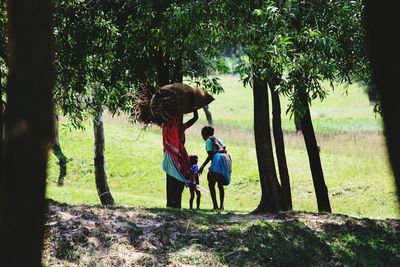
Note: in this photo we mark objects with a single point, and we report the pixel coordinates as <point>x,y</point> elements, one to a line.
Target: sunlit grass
<point>345,109</point>
<point>352,152</point>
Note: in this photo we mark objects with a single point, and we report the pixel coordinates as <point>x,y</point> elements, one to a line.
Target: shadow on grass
<point>206,238</point>
<point>279,240</point>
<point>364,242</point>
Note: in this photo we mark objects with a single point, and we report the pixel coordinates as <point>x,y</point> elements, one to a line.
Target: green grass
<point>338,112</point>
<point>352,152</point>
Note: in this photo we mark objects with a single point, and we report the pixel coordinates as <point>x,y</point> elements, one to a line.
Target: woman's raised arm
<point>192,120</point>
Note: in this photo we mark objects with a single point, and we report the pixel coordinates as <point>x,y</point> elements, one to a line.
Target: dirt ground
<point>97,236</point>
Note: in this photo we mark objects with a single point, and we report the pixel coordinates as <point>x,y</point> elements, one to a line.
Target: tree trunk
<point>208,115</point>
<point>161,58</point>
<point>1,114</point>
<point>99,162</point>
<point>381,21</point>
<point>2,104</point>
<point>177,76</point>
<point>62,162</point>
<point>163,79</point>
<point>162,67</point>
<point>297,124</point>
<point>271,192</point>
<point>28,132</point>
<point>280,146</point>
<point>321,190</point>
<point>57,151</point>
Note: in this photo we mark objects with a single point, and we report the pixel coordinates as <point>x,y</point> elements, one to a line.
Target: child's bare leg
<point>211,186</point>
<point>198,199</point>
<point>191,197</point>
<point>221,195</point>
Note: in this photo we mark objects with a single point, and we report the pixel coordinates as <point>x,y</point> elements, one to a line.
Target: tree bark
<point>57,151</point>
<point>62,162</point>
<point>321,190</point>
<point>297,124</point>
<point>177,76</point>
<point>280,146</point>
<point>103,189</point>
<point>163,79</point>
<point>271,192</point>
<point>162,66</point>
<point>161,58</point>
<point>1,114</point>
<point>28,132</point>
<point>381,21</point>
<point>208,115</point>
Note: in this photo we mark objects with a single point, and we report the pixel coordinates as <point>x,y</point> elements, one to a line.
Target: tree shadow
<point>364,242</point>
<point>205,238</point>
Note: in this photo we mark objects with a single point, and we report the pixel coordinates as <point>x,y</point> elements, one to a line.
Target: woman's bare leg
<point>170,191</point>
<point>179,186</point>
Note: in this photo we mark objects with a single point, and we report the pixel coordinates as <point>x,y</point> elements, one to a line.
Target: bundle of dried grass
<point>155,106</point>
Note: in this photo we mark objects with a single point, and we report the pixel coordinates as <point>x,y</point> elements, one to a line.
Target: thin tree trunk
<point>62,162</point>
<point>161,58</point>
<point>208,115</point>
<point>321,190</point>
<point>297,124</point>
<point>28,132</point>
<point>162,67</point>
<point>99,162</point>
<point>381,21</point>
<point>271,192</point>
<point>57,151</point>
<point>177,76</point>
<point>280,146</point>
<point>163,79</point>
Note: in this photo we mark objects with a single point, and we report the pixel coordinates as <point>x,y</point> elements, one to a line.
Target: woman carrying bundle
<point>176,162</point>
<point>221,165</point>
<point>165,107</point>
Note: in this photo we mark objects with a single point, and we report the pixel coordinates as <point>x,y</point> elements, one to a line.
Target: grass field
<point>350,136</point>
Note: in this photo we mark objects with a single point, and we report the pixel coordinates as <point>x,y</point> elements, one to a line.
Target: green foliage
<point>296,44</point>
<point>117,52</point>
<point>84,56</point>
<point>210,84</point>
<point>262,34</point>
<point>325,48</point>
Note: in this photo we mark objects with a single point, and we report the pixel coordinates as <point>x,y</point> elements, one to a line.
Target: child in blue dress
<point>221,165</point>
<point>194,182</point>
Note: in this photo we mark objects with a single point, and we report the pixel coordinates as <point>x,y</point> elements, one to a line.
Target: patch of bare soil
<point>97,236</point>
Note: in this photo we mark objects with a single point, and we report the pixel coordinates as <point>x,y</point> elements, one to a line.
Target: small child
<point>194,182</point>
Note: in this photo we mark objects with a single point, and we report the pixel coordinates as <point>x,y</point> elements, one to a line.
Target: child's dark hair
<point>193,159</point>
<point>208,130</point>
